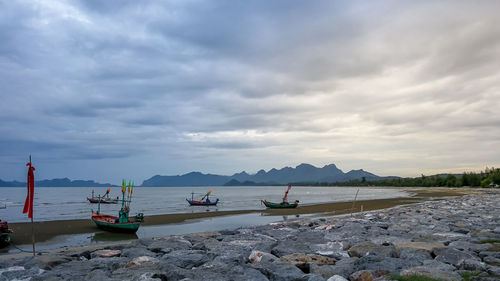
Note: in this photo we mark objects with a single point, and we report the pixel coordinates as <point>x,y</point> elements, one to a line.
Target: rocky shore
<point>452,239</point>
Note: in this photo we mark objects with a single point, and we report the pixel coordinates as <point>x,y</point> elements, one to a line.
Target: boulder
<point>452,256</point>
<point>369,248</point>
<point>362,275</point>
<point>337,278</point>
<point>300,259</point>
<point>105,253</point>
<point>185,259</point>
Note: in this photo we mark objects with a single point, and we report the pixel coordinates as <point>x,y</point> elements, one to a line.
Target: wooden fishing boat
<point>4,234</point>
<point>104,199</point>
<point>122,223</point>
<point>202,202</point>
<point>207,202</point>
<point>282,205</point>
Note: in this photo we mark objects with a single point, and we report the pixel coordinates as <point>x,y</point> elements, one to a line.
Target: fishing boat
<point>284,204</point>
<point>123,222</point>
<point>207,201</point>
<point>4,234</point>
<point>104,199</point>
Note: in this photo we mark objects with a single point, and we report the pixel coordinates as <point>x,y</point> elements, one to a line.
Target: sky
<point>112,90</point>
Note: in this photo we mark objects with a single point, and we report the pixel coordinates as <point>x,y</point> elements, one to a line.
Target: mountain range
<point>303,173</point>
<point>64,182</point>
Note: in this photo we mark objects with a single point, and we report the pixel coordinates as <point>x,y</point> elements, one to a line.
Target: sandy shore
<point>50,229</point>
<point>447,238</point>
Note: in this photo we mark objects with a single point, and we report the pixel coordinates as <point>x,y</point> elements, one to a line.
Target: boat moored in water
<point>205,200</point>
<point>104,199</point>
<point>122,223</point>
<point>284,203</point>
<point>4,234</point>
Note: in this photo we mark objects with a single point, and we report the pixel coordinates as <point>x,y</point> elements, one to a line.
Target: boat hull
<point>108,223</point>
<point>4,234</point>
<point>103,201</point>
<point>202,203</point>
<point>273,205</point>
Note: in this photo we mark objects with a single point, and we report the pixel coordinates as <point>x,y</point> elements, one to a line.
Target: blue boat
<point>202,202</point>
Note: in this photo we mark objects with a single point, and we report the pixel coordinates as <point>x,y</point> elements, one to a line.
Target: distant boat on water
<point>104,199</point>
<point>284,204</point>
<point>207,201</point>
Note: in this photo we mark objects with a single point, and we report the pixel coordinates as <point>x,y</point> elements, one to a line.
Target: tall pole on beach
<point>354,202</point>
<point>28,204</point>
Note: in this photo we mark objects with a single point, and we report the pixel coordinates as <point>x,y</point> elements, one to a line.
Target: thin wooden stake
<point>33,235</point>
<point>353,202</point>
<point>32,223</point>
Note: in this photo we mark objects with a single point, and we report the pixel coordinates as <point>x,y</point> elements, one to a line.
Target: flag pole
<point>32,224</point>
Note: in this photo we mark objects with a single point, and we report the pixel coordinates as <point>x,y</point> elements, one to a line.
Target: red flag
<point>28,205</point>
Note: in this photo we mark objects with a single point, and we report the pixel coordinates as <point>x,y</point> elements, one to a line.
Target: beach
<point>47,230</point>
<point>442,237</point>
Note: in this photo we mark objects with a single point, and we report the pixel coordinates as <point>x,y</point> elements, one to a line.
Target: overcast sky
<point>110,90</point>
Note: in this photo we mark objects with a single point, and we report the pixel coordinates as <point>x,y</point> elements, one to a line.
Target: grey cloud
<point>106,80</point>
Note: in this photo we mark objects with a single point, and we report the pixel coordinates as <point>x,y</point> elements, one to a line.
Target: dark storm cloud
<point>233,81</point>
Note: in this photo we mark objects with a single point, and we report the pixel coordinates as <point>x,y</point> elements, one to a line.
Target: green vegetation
<point>467,275</point>
<point>490,177</point>
<point>412,277</point>
<point>489,240</point>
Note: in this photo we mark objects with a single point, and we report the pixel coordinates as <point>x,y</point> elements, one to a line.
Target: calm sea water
<point>64,203</point>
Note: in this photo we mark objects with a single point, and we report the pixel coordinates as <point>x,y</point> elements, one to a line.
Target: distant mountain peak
<point>303,173</point>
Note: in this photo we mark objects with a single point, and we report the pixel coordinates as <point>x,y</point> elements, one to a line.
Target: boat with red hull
<point>113,224</point>
<point>122,223</point>
<point>104,199</point>
<point>5,232</point>
<point>202,202</point>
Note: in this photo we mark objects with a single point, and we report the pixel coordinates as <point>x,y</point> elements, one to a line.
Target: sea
<point>69,203</point>
<point>66,203</point>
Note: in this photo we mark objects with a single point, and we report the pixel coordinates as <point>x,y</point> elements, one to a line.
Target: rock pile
<point>445,239</point>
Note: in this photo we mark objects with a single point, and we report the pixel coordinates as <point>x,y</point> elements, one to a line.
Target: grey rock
<point>278,271</point>
<point>46,262</point>
<point>137,252</point>
<point>362,275</point>
<point>474,265</point>
<point>169,244</point>
<point>392,265</point>
<point>369,248</point>
<point>185,259</point>
<point>343,268</point>
<point>493,270</point>
<point>336,278</point>
<point>491,260</point>
<point>452,256</point>
<point>414,257</point>
<point>97,275</point>
<point>468,246</point>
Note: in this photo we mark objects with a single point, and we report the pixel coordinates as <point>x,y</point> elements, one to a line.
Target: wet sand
<point>50,229</point>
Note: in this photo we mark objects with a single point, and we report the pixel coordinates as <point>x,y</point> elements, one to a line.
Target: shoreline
<point>47,230</point>
<point>457,238</point>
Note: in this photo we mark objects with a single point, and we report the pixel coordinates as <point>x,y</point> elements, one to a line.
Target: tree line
<point>490,177</point>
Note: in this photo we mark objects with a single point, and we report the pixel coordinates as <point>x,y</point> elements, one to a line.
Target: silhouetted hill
<point>190,179</point>
<point>64,182</point>
<point>302,173</point>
